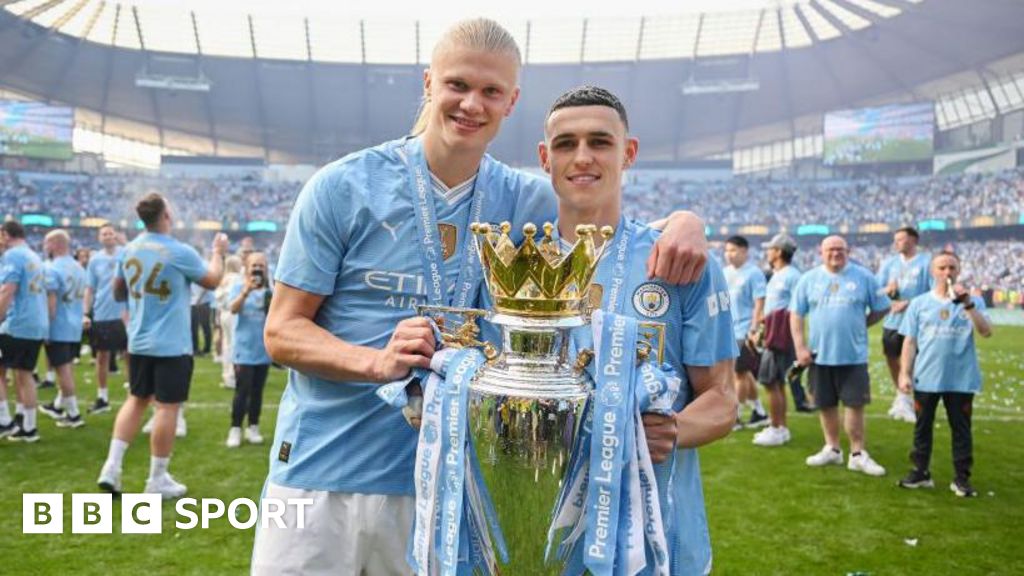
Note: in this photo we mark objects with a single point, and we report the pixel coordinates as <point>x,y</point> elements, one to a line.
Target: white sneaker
<point>827,455</point>
<point>772,436</point>
<point>234,437</point>
<point>863,463</point>
<point>181,429</point>
<point>166,486</point>
<point>227,385</point>
<point>110,478</point>
<point>252,435</point>
<point>148,427</point>
<point>905,414</point>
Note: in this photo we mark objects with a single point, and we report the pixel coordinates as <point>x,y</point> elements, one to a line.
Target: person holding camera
<point>249,302</point>
<point>939,362</point>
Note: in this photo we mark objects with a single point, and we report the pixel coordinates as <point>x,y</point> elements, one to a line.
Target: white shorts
<point>345,534</point>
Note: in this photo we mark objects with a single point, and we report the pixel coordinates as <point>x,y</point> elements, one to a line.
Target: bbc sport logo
<point>143,513</point>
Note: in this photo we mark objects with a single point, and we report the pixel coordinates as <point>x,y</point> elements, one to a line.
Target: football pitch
<point>768,512</point>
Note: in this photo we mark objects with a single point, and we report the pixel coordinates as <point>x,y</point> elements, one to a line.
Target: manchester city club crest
<point>651,300</point>
<point>833,287</point>
<point>944,314</point>
<point>449,236</point>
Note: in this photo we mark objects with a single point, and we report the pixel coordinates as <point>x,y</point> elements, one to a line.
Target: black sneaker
<point>71,422</point>
<point>917,479</point>
<point>962,488</point>
<point>52,411</point>
<point>806,408</point>
<point>46,384</point>
<point>9,429</point>
<point>99,406</point>
<point>757,420</point>
<point>21,435</point>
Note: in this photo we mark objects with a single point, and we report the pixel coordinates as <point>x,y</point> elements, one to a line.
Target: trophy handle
<point>466,333</point>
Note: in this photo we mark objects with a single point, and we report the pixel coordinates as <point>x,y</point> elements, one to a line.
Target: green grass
<point>768,512</point>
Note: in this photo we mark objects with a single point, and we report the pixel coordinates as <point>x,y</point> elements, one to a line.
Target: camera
<point>258,278</point>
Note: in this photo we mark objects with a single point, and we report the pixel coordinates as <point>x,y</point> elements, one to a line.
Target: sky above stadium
<point>450,10</point>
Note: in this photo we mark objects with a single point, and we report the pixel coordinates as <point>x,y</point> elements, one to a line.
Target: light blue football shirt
<point>102,267</point>
<point>66,278</point>
<point>835,307</point>
<point>28,315</point>
<point>913,278</point>
<point>352,238</point>
<point>698,332</point>
<point>946,358</point>
<point>780,288</point>
<point>746,284</point>
<point>249,323</point>
<point>158,270</point>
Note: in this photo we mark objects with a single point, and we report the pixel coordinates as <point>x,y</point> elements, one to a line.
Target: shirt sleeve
<point>314,244</point>
<point>10,272</point>
<point>908,326</point>
<point>882,276</point>
<point>90,273</point>
<point>877,299</point>
<point>758,284</point>
<point>190,263</point>
<point>52,278</point>
<point>799,303</point>
<point>707,325</point>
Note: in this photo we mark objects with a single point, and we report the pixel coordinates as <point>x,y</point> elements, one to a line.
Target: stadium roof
<point>307,83</point>
<point>327,32</point>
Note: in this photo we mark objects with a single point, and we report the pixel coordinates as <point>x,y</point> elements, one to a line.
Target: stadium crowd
<point>832,203</point>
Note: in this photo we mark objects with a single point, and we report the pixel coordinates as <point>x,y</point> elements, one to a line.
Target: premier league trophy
<point>525,404</point>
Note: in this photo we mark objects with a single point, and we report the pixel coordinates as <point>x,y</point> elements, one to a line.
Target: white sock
<point>30,419</point>
<point>19,408</point>
<point>158,466</point>
<point>58,401</point>
<point>5,414</point>
<point>758,407</point>
<point>71,404</point>
<point>116,454</point>
<point>51,375</point>
<point>102,394</point>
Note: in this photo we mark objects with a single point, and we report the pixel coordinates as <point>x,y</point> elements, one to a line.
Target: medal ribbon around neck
<point>431,252</point>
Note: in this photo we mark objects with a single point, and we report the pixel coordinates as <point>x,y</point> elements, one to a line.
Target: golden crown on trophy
<point>537,279</point>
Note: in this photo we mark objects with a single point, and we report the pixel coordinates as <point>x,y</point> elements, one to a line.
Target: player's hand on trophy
<point>220,244</point>
<point>411,346</point>
<point>679,255</point>
<point>804,356</point>
<point>413,409</point>
<point>661,432</point>
<point>905,384</point>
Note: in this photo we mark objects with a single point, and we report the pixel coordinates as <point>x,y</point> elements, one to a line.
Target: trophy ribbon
<point>454,517</point>
<point>610,496</point>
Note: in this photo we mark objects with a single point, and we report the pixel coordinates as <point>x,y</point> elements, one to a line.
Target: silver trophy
<point>526,403</point>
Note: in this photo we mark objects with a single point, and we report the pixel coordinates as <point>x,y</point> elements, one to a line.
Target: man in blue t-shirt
<point>940,363</point>
<point>746,294</point>
<point>586,149</point>
<point>25,324</point>
<point>840,300</point>
<point>65,287</point>
<point>154,277</point>
<point>371,236</point>
<point>904,276</point>
<point>778,355</point>
<point>106,316</point>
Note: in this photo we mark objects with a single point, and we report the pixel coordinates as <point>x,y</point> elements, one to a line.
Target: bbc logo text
<point>143,513</point>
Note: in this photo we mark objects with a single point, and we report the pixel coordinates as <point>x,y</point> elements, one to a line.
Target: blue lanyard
<point>431,253</point>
